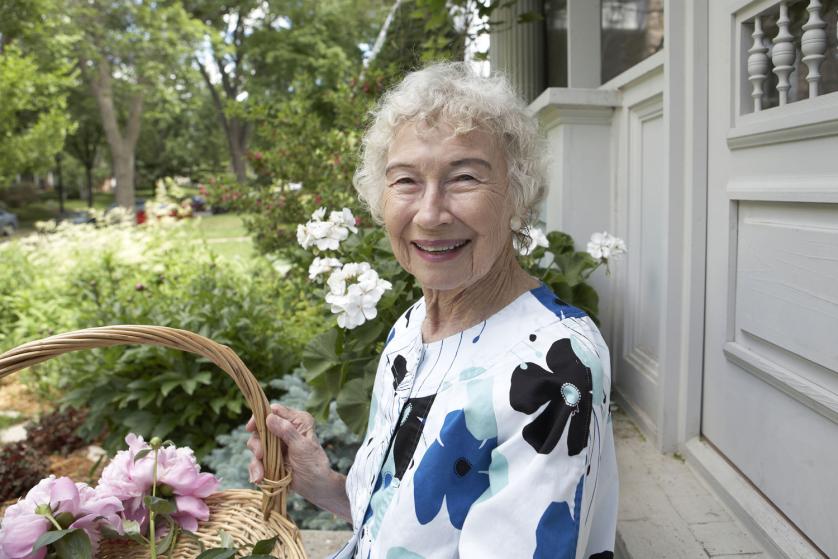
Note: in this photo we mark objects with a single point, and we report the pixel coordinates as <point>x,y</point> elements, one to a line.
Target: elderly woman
<point>489,431</point>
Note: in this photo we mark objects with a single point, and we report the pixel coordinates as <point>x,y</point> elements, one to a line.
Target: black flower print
<point>566,389</point>
<point>399,370</point>
<point>409,432</point>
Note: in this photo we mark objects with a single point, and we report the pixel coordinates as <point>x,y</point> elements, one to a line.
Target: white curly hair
<point>453,93</point>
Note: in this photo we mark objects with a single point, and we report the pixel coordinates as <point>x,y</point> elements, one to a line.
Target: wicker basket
<point>248,516</point>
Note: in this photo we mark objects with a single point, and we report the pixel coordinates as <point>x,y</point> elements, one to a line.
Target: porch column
<point>577,125</point>
<point>583,43</point>
<point>517,49</point>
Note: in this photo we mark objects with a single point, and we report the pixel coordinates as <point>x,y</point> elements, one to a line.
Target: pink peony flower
<point>22,525</point>
<point>178,474</point>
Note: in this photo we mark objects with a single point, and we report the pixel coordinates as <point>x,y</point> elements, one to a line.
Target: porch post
<point>517,49</point>
<point>584,59</point>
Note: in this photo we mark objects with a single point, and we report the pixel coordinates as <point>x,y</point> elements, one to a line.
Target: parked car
<point>78,218</point>
<point>8,223</point>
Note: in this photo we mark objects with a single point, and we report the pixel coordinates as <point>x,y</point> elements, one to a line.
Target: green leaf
<point>319,356</point>
<point>217,553</point>
<point>159,505</point>
<point>75,545</point>
<point>263,547</point>
<point>141,454</point>
<point>226,539</point>
<point>132,531</point>
<point>48,538</point>
<point>164,544</point>
<point>353,403</point>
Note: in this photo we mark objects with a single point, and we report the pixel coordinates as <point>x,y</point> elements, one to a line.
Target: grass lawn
<point>224,235</point>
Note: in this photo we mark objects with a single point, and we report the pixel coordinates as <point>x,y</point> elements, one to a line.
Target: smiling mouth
<point>437,247</point>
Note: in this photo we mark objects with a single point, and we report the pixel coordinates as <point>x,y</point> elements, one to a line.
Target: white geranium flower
<point>344,218</point>
<point>326,235</point>
<point>537,239</point>
<point>322,266</point>
<point>355,303</point>
<point>603,246</point>
<point>318,214</point>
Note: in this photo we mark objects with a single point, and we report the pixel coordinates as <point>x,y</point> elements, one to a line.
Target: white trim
<point>813,396</point>
<point>785,188</point>
<point>773,530</point>
<point>640,71</point>
<point>801,120</point>
<point>566,105</point>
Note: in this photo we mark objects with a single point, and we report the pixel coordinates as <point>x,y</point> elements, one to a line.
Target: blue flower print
<point>557,531</point>
<point>454,470</point>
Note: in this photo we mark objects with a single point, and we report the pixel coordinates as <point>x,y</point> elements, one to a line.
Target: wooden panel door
<point>770,388</point>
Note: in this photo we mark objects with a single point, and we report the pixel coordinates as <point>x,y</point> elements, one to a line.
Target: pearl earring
<point>515,223</point>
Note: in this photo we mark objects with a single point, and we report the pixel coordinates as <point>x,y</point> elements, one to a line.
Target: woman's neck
<point>452,311</point>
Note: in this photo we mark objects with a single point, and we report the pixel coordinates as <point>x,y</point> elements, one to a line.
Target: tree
<point>84,143</point>
<point>129,53</point>
<point>35,77</point>
<point>258,49</point>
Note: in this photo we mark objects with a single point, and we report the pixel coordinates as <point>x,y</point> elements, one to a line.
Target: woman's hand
<point>311,474</point>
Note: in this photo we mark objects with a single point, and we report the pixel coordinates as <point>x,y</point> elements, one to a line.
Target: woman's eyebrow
<point>398,165</point>
<point>471,161</point>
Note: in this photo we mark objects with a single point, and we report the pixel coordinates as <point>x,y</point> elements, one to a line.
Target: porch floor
<point>666,510</point>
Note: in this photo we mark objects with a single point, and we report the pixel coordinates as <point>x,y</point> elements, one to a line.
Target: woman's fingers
<point>255,471</point>
<point>255,446</point>
<point>283,429</point>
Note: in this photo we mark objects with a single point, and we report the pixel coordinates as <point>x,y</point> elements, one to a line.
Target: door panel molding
<point>811,395</point>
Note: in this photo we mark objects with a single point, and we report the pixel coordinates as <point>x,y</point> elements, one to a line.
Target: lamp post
<point>58,157</point>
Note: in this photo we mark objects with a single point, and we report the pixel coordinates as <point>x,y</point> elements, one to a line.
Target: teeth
<point>440,249</point>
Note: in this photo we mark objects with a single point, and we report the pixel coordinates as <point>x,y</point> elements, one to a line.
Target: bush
<point>21,468</point>
<point>81,277</point>
<point>55,433</point>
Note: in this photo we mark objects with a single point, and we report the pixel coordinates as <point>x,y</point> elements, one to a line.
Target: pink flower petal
<point>192,506</point>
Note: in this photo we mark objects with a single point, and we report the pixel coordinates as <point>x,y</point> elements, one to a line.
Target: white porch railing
<point>787,53</point>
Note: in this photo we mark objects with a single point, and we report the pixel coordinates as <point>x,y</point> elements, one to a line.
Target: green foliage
<point>33,114</point>
<point>565,271</point>
<point>149,276</point>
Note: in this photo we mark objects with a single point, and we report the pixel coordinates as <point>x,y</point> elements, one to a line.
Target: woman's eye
<point>403,180</point>
<point>464,178</point>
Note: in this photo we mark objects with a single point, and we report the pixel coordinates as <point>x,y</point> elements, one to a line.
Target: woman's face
<point>445,204</point>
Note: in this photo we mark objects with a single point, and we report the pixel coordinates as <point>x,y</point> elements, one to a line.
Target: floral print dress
<point>493,442</point>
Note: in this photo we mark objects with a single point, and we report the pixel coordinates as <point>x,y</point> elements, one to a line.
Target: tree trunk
<point>234,129</point>
<point>122,145</point>
<point>237,139</point>
<point>88,172</point>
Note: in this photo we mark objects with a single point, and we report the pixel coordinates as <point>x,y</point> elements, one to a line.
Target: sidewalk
<point>667,511</point>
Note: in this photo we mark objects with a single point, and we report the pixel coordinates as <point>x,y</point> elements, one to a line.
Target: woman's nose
<point>433,208</point>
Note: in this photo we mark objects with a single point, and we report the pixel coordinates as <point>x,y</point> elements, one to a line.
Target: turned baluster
<point>813,46</point>
<point>782,56</point>
<point>757,64</point>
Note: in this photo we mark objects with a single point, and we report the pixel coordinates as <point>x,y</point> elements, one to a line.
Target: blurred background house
<point>704,133</point>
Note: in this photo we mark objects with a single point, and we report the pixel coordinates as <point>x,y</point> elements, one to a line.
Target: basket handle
<point>31,353</point>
